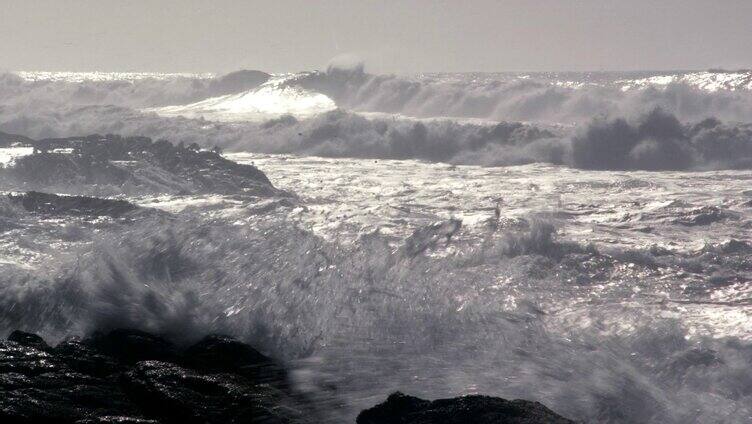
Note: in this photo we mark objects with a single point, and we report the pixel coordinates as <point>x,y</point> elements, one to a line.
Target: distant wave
<point>29,90</point>
<point>539,97</point>
<point>656,140</point>
<point>270,100</point>
<point>542,98</point>
<point>597,125</point>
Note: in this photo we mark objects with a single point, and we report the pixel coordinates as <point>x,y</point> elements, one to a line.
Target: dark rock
<point>116,419</point>
<point>403,409</point>
<point>53,204</point>
<point>113,378</point>
<point>133,345</point>
<point>176,394</point>
<point>25,360</point>
<point>224,354</point>
<point>135,162</point>
<point>39,387</point>
<point>28,339</point>
<point>84,359</point>
<point>129,376</point>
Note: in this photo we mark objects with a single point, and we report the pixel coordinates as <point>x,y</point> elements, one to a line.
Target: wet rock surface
<point>52,204</point>
<point>133,164</point>
<point>129,376</point>
<point>403,409</point>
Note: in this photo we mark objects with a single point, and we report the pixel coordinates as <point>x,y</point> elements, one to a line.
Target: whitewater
<point>603,264</point>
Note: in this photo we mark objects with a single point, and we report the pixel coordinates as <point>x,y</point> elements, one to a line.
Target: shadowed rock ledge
<point>403,409</point>
<point>136,165</point>
<point>129,376</point>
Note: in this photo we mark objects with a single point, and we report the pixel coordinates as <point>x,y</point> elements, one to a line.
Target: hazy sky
<point>390,36</point>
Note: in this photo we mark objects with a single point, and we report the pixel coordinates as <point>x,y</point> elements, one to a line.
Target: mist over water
<point>602,265</point>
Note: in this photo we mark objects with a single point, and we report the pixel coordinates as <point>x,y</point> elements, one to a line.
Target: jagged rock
<point>25,360</point>
<point>82,358</point>
<point>39,387</point>
<point>132,346</point>
<point>403,409</point>
<point>129,376</point>
<point>224,354</point>
<point>53,204</point>
<point>137,163</point>
<point>28,339</point>
<point>177,394</point>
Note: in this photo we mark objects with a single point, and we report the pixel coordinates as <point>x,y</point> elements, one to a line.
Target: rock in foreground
<point>403,409</point>
<point>128,376</point>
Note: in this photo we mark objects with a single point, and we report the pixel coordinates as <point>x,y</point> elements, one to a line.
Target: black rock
<point>40,387</point>
<point>82,358</point>
<point>53,204</point>
<point>403,409</point>
<point>28,339</point>
<point>132,346</point>
<point>129,376</point>
<point>137,163</point>
<point>114,378</point>
<point>180,395</point>
<point>224,354</point>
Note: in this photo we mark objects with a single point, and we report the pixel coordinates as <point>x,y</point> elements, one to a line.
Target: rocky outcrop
<point>128,376</point>
<point>403,409</point>
<point>134,163</point>
<point>55,205</point>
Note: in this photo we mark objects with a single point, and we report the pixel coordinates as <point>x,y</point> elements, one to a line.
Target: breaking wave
<point>597,124</point>
<point>364,311</point>
<point>654,141</point>
<point>549,98</point>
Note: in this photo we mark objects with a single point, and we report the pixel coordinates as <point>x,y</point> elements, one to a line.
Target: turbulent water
<point>603,265</point>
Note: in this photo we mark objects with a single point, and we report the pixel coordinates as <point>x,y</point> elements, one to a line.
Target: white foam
<point>271,100</point>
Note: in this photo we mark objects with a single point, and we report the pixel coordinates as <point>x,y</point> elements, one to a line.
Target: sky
<point>390,36</point>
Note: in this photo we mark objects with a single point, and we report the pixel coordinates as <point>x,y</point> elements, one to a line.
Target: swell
<point>538,98</point>
<point>677,127</point>
<point>656,140</point>
<point>137,93</point>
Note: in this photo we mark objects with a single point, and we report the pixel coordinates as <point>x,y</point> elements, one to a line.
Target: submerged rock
<point>403,409</point>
